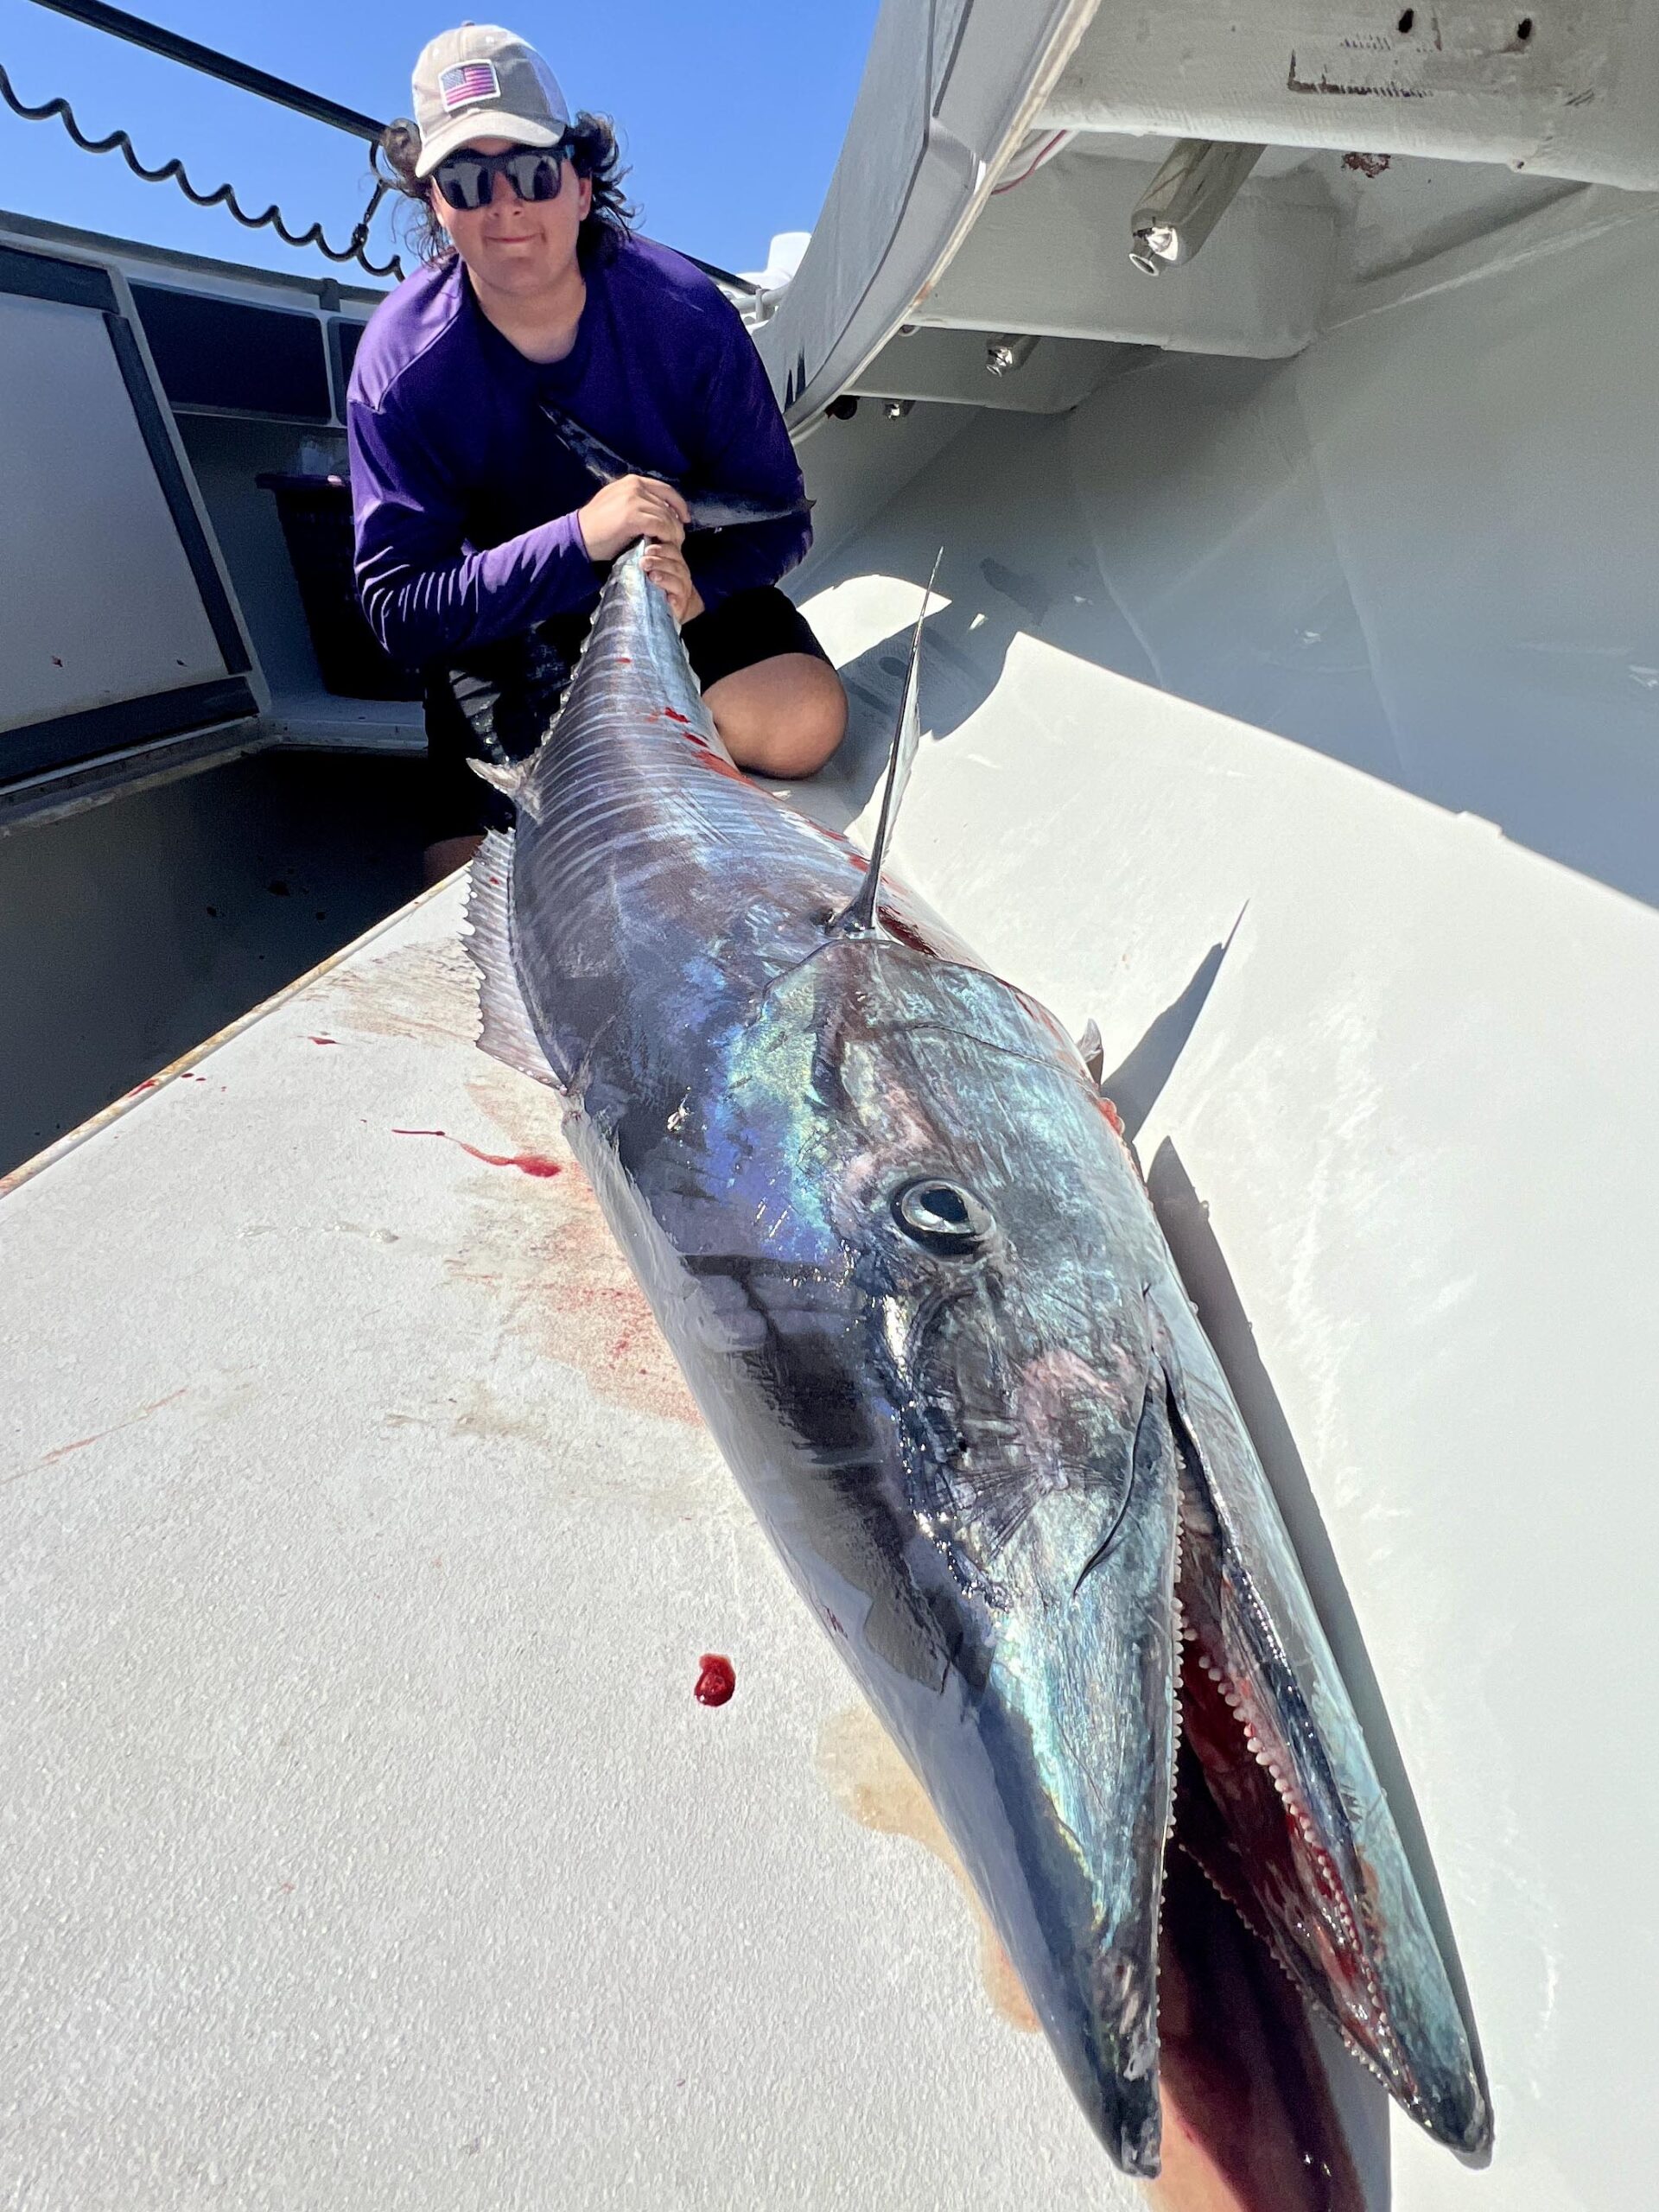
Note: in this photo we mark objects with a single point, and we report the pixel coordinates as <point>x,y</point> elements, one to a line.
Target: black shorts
<point>495,703</point>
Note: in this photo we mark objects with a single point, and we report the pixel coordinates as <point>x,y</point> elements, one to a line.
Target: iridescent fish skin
<point>907,1263</point>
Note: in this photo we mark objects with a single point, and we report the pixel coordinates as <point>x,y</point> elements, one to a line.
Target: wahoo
<point>900,1246</point>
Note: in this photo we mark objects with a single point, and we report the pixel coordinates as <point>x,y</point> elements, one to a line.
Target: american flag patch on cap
<point>466,82</point>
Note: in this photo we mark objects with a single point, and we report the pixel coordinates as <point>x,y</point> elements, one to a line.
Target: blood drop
<point>717,1680</point>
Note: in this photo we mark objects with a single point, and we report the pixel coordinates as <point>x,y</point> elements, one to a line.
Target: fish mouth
<point>1141,1644</point>
<point>1307,1854</point>
<point>1248,2118</point>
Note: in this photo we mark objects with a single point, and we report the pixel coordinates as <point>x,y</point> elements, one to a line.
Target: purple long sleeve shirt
<point>464,494</point>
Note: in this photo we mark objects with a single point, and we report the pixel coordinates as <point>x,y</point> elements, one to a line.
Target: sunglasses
<point>467,179</point>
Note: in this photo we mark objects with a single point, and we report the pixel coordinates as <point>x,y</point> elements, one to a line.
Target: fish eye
<point>942,1215</point>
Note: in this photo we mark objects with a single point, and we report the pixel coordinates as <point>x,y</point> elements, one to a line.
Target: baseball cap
<point>483,82</point>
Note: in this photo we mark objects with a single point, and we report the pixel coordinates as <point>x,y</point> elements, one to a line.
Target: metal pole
<point>136,32</point>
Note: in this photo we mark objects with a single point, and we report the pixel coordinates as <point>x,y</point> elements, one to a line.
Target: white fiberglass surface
<point>1426,547</point>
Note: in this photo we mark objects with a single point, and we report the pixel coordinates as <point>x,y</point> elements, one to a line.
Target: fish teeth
<point>1336,1908</point>
<point>1175,1737</point>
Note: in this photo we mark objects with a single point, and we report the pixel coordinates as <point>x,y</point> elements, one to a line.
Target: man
<point>482,541</point>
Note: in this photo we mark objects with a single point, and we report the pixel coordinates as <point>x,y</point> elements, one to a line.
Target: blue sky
<point>731,112</point>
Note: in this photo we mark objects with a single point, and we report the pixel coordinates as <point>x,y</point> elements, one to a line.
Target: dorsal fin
<point>860,917</point>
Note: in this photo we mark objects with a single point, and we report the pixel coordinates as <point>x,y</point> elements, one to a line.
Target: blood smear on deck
<point>717,1680</point>
<point>527,1163</point>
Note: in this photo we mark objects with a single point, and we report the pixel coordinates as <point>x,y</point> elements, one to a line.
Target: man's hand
<point>634,506</point>
<point>665,566</point>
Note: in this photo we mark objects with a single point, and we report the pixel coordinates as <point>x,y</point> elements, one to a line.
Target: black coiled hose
<point>174,172</point>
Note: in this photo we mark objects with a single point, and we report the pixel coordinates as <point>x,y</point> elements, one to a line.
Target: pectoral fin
<point>1092,1048</point>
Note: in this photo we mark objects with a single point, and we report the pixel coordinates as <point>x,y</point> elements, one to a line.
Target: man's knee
<point>782,717</point>
<point>817,723</point>
<point>446,855</point>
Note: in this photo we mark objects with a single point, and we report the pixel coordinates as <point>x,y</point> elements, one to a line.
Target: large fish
<point>904,1255</point>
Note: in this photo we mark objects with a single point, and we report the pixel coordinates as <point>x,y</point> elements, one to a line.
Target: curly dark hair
<point>590,143</point>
